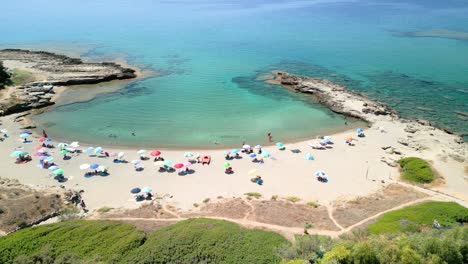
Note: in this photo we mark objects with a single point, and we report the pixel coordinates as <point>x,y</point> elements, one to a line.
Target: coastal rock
<point>389,162</point>
<point>411,129</point>
<point>386,147</point>
<point>457,157</point>
<point>403,141</point>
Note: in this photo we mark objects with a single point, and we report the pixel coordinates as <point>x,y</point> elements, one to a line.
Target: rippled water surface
<point>211,56</point>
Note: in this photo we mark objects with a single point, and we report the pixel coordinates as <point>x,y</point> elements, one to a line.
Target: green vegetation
<point>190,241</point>
<point>313,204</point>
<point>104,209</point>
<point>417,217</point>
<point>19,77</point>
<point>416,170</point>
<point>274,197</point>
<point>4,77</point>
<point>208,241</point>
<point>293,199</point>
<point>206,200</point>
<point>254,194</point>
<point>100,240</point>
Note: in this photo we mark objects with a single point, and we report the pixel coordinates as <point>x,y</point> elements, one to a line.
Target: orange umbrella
<point>349,139</point>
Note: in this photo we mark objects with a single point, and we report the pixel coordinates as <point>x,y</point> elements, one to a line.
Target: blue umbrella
<point>47,140</point>
<point>52,168</point>
<point>234,150</point>
<point>135,190</point>
<point>94,166</point>
<point>359,130</point>
<point>18,153</point>
<point>147,190</point>
<point>279,144</point>
<point>98,150</point>
<point>319,173</point>
<point>309,156</point>
<point>253,155</point>
<point>88,150</point>
<point>24,135</point>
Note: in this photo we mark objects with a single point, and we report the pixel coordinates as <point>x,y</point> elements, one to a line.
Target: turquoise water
<point>211,54</point>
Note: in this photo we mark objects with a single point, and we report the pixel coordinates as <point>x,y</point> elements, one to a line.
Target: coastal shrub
<point>104,209</point>
<point>306,247</point>
<point>208,241</point>
<point>19,77</point>
<point>84,239</point>
<point>313,204</point>
<point>416,170</point>
<point>4,77</point>
<point>293,199</point>
<point>414,218</point>
<point>431,246</point>
<point>254,194</point>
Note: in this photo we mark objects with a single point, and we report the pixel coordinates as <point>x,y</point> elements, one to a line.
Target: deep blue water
<point>211,53</point>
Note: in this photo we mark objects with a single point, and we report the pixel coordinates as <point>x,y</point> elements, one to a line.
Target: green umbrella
<point>227,165</point>
<point>63,151</point>
<point>18,153</point>
<point>58,172</point>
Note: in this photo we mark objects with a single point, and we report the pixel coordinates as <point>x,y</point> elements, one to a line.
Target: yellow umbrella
<point>252,171</point>
<point>159,163</point>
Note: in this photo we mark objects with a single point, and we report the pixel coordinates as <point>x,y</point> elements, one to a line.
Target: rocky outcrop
<point>57,70</point>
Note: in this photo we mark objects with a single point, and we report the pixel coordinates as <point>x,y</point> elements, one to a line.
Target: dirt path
<point>330,215</point>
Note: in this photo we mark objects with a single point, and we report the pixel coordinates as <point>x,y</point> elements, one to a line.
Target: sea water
<point>211,58</point>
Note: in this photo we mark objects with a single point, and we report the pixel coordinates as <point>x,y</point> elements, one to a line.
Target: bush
<point>309,247</point>
<point>413,218</point>
<point>313,204</point>
<point>84,239</point>
<point>208,241</point>
<point>293,199</point>
<point>254,194</point>
<point>4,77</point>
<point>416,170</point>
<point>104,209</point>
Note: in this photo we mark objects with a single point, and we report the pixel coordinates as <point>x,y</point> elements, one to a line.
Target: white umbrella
<point>75,144</point>
<point>246,146</point>
<point>319,173</point>
<point>258,146</point>
<point>3,131</point>
<point>84,166</point>
<point>135,162</point>
<point>120,155</point>
<point>141,151</point>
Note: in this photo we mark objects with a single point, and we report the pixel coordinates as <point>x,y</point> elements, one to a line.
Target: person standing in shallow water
<point>270,138</point>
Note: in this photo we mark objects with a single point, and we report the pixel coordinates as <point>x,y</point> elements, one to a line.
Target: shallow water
<point>212,52</point>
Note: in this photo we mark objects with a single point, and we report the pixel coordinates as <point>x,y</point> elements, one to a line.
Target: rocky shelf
<point>55,70</point>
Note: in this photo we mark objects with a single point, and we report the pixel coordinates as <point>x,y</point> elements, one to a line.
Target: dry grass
<point>144,211</point>
<point>350,212</point>
<point>231,208</point>
<point>21,206</point>
<point>291,215</point>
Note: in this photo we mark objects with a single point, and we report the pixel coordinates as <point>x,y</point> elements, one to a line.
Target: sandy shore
<point>352,171</point>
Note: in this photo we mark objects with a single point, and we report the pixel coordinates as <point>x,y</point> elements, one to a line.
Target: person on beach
<point>83,205</point>
<point>44,134</point>
<point>270,138</point>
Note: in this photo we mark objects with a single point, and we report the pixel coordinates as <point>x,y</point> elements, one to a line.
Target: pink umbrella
<point>155,153</point>
<point>187,164</point>
<point>37,154</point>
<point>178,166</point>
<point>114,155</point>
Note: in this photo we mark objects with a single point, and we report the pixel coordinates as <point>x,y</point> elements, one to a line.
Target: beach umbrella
<point>63,151</point>
<point>188,154</point>
<point>159,163</point>
<point>97,150</point>
<point>265,154</point>
<point>42,150</point>
<point>253,155</point>
<point>43,157</point>
<point>62,145</point>
<point>324,142</point>
<point>24,135</point>
<point>53,168</point>
<point>146,190</point>
<point>41,139</point>
<point>319,173</point>
<point>141,152</point>
<point>18,153</point>
<point>49,159</point>
<point>70,149</point>
<point>246,146</point>
<point>227,165</point>
<point>84,166</point>
<point>101,168</point>
<point>74,144</point>
<point>3,131</point>
<point>135,162</point>
<point>120,155</point>
<point>252,171</point>
<point>359,130</point>
<point>58,172</point>
<point>38,154</point>
<point>94,166</point>
<point>258,147</point>
<point>309,156</point>
<point>187,164</point>
<point>279,144</point>
<point>349,139</point>
<point>155,153</point>
<point>178,166</point>
<point>135,190</point>
<point>234,150</point>
<point>328,138</point>
<point>167,163</point>
<point>88,150</point>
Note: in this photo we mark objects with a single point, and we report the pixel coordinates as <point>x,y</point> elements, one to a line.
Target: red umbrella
<point>42,139</point>
<point>155,153</point>
<point>178,166</point>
